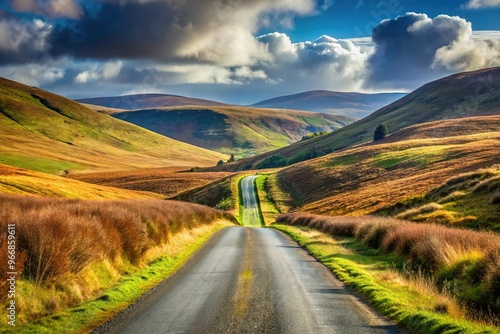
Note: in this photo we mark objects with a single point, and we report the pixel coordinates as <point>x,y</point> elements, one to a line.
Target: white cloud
<point>35,74</point>
<point>477,4</point>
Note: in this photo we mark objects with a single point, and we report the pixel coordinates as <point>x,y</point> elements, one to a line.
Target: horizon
<point>237,52</point>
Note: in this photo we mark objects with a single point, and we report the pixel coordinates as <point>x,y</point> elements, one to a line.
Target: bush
<point>380,132</point>
<point>274,161</point>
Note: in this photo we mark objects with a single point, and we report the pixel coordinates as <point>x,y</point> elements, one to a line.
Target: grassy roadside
<point>88,315</point>
<point>268,210</point>
<point>409,300</point>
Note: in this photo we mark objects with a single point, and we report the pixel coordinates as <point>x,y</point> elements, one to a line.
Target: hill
<point>45,132</point>
<point>147,101</point>
<point>461,95</point>
<point>240,130</point>
<point>409,170</point>
<point>356,105</point>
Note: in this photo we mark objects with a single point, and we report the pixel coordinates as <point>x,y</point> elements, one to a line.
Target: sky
<point>243,51</point>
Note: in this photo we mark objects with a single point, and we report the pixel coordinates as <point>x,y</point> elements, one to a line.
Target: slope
<point>45,132</point>
<point>240,130</point>
<point>410,163</point>
<point>356,105</point>
<point>467,94</point>
<point>19,181</point>
<point>146,101</point>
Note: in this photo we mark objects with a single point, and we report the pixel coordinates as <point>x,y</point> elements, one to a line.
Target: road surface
<point>250,280</point>
<point>251,215</point>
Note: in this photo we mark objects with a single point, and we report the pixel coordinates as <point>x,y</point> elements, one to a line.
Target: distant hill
<point>356,105</point>
<point>147,101</point>
<point>46,132</point>
<point>240,130</point>
<point>469,94</point>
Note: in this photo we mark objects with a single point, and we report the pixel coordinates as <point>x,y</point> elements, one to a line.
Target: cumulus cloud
<point>416,48</point>
<point>336,64</point>
<point>477,4</point>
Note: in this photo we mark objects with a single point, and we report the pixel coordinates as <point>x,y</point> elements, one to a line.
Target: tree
<point>231,159</point>
<point>220,163</point>
<point>380,132</point>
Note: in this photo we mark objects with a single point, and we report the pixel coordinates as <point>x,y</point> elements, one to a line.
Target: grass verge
<point>412,302</point>
<point>268,210</point>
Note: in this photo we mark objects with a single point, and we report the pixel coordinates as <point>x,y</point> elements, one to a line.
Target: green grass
<point>343,161</point>
<point>267,206</point>
<point>378,278</point>
<point>40,164</point>
<point>417,156</point>
<point>87,316</point>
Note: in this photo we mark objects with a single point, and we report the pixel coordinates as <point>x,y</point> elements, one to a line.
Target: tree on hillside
<point>231,159</point>
<point>380,132</point>
<point>220,163</point>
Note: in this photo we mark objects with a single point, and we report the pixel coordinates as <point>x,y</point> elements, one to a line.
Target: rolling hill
<point>461,95</point>
<point>355,105</point>
<point>404,171</point>
<point>147,101</point>
<point>240,130</point>
<point>45,132</point>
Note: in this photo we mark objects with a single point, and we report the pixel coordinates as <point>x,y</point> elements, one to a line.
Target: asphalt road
<point>250,208</point>
<point>250,280</point>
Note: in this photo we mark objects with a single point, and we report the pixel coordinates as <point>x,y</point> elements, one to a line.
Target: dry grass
<point>468,259</point>
<point>363,180</point>
<point>59,239</point>
<point>166,181</point>
<point>24,182</point>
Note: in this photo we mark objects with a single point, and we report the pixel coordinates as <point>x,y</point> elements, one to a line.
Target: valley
<point>153,177</point>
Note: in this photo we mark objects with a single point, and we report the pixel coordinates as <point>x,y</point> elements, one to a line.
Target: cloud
<point>69,9</point>
<point>414,48</point>
<point>22,41</point>
<point>326,63</point>
<point>478,4</point>
<point>217,32</point>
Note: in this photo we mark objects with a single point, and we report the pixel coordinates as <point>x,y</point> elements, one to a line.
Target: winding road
<point>250,280</point>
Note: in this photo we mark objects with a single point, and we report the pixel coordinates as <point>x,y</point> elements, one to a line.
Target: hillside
<point>45,132</point>
<point>462,95</point>
<point>239,130</point>
<point>356,105</point>
<point>406,166</point>
<point>17,181</point>
<point>147,101</point>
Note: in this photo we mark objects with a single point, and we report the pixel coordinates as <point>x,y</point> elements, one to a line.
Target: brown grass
<point>62,236</point>
<point>166,181</point>
<point>467,257</point>
<point>363,180</point>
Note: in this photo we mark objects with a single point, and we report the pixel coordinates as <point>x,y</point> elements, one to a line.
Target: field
<point>168,182</point>
<point>25,182</point>
<point>115,240</point>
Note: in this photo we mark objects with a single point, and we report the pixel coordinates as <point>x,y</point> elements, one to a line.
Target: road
<point>250,280</point>
<point>251,215</point>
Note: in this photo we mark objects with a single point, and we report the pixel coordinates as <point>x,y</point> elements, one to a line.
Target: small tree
<point>380,132</point>
<point>231,159</point>
<point>220,163</point>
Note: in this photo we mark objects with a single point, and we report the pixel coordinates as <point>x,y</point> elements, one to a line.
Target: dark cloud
<point>405,47</point>
<point>22,41</point>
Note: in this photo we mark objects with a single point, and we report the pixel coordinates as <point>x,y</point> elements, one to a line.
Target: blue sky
<point>347,19</point>
<point>242,51</point>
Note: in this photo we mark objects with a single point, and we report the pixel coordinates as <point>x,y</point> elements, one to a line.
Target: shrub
<point>380,132</point>
<point>273,161</point>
